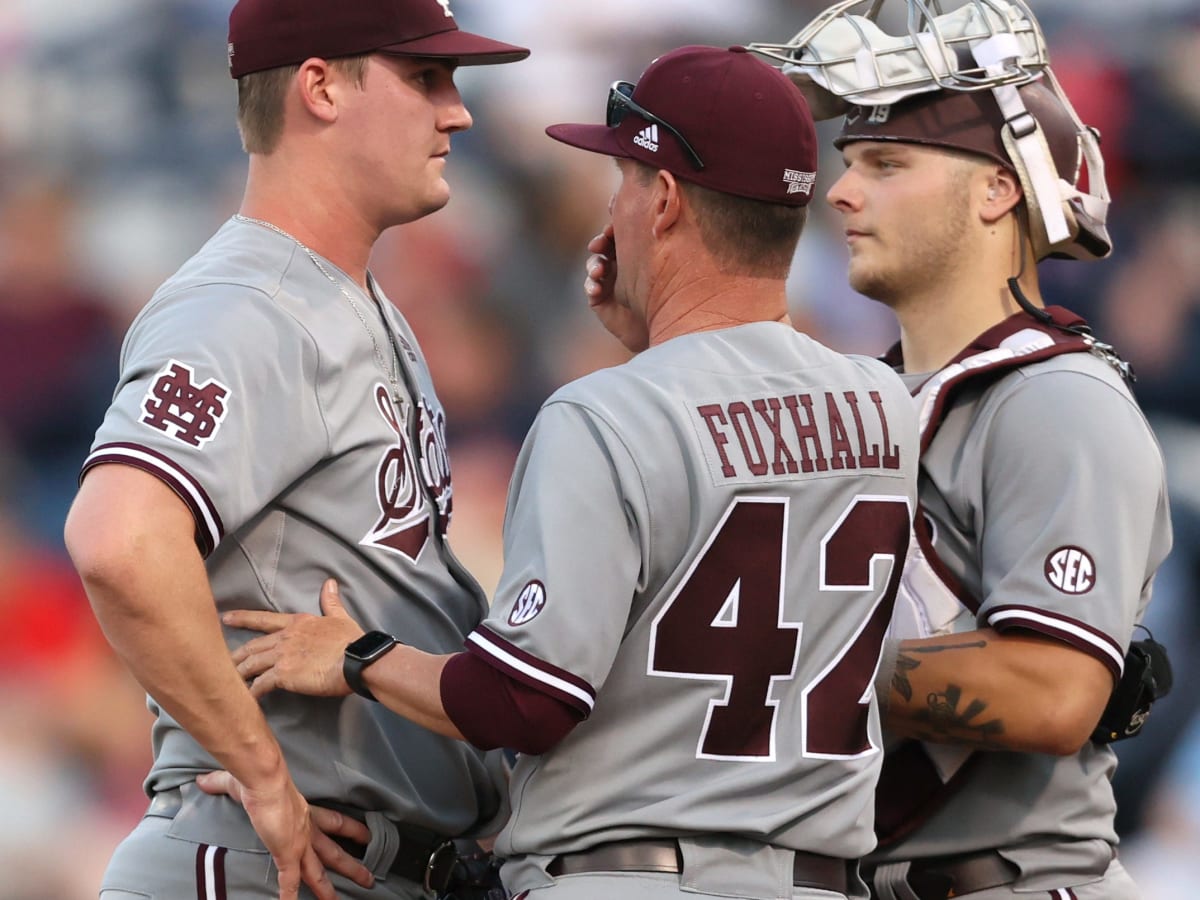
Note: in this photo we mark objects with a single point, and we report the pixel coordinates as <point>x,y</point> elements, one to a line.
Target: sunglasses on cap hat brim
<point>621,103</point>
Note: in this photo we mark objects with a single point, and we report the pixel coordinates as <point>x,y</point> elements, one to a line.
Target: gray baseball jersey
<point>1046,494</point>
<point>251,386</point>
<point>701,551</point>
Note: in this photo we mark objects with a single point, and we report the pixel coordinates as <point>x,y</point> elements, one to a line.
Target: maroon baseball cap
<point>966,120</point>
<point>718,118</point>
<point>267,34</point>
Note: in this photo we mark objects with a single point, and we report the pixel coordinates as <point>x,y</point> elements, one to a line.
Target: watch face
<point>370,645</point>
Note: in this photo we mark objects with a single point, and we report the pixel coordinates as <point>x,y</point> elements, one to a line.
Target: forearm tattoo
<point>946,715</point>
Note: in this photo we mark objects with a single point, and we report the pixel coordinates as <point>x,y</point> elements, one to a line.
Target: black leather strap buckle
<point>424,858</point>
<point>440,868</point>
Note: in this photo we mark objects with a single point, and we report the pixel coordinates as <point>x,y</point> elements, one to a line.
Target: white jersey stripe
<point>206,517</point>
<point>1104,645</point>
<point>210,875</point>
<point>492,649</point>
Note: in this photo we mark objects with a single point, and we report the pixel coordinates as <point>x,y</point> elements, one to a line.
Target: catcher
<point>1042,487</point>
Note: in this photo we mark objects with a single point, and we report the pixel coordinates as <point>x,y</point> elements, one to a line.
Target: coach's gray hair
<point>753,238</point>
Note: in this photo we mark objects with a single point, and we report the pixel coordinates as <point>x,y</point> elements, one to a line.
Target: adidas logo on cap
<point>647,138</point>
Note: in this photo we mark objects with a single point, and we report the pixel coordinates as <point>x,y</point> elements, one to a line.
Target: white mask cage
<point>845,58</point>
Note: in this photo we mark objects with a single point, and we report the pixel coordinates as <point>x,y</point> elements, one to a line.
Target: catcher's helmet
<point>976,79</point>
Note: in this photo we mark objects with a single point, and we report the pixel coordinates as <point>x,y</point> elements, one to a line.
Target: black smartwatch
<point>361,653</point>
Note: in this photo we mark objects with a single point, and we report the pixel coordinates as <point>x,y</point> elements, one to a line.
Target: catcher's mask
<point>977,79</point>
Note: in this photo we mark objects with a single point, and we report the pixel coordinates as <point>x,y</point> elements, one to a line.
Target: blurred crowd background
<point>119,156</point>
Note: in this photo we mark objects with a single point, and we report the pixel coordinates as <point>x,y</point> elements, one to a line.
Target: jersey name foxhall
<point>764,438</point>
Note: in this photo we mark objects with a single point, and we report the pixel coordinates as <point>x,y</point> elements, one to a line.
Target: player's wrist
<point>361,654</point>
<point>262,769</point>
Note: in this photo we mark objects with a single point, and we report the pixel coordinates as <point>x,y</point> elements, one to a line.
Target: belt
<point>428,860</point>
<point>422,856</point>
<point>944,877</point>
<point>809,870</point>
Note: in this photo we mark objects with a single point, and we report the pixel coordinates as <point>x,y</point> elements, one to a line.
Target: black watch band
<point>361,653</point>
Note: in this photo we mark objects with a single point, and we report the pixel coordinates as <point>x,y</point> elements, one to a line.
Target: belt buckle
<point>440,868</point>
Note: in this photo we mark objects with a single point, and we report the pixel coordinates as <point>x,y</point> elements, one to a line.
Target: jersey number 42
<point>726,622</point>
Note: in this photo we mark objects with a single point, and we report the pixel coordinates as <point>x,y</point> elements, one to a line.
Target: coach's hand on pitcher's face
<point>298,652</point>
<point>613,312</point>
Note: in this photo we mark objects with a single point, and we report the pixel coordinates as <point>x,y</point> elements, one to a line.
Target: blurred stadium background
<point>119,156</point>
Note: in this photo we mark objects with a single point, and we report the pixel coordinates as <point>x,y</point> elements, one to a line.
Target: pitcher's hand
<point>322,850</point>
<point>296,835</point>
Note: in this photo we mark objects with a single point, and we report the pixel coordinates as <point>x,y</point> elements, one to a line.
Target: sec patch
<point>1071,570</point>
<point>529,603</point>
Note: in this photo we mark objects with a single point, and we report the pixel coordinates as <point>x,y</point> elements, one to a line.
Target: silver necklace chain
<point>392,374</point>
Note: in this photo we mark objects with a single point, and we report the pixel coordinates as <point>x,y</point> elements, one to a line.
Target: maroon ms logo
<point>184,410</point>
<point>406,482</point>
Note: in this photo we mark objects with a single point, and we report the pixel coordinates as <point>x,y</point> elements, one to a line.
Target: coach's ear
<point>1001,193</point>
<point>668,202</point>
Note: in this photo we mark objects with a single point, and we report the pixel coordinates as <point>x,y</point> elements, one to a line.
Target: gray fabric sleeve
<point>208,401</point>
<point>1071,514</point>
<point>572,543</point>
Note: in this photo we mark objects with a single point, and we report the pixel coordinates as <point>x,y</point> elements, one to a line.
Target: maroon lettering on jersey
<point>178,406</point>
<point>867,460</point>
<point>807,432</point>
<point>732,600</point>
<point>739,413</point>
<point>841,452</point>
<point>396,489</point>
<point>771,411</point>
<point>435,464</point>
<point>390,414</point>
<point>891,452</point>
<point>712,413</point>
<point>409,481</point>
